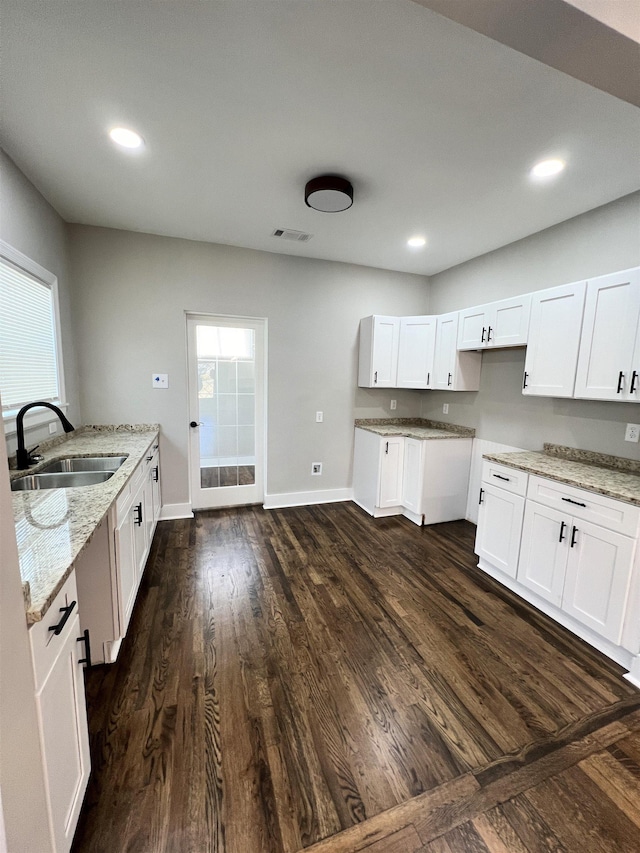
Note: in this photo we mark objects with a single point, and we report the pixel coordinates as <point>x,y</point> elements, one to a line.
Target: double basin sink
<point>68,473</point>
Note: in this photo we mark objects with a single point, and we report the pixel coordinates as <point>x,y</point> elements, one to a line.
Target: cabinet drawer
<point>45,644</point>
<point>509,479</point>
<point>579,503</point>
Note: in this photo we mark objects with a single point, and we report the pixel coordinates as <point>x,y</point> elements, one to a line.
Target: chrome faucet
<point>23,456</point>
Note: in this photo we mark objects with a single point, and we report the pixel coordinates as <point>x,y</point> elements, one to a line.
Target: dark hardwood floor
<point>304,674</point>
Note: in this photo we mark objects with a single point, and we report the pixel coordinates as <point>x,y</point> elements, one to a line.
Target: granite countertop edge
<point>41,583</point>
<point>420,428</point>
<point>612,477</point>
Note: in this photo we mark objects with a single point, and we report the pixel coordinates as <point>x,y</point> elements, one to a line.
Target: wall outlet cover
<point>160,380</point>
<point>316,469</point>
<point>632,432</point>
<point>445,408</point>
<point>394,403</point>
<point>319,417</point>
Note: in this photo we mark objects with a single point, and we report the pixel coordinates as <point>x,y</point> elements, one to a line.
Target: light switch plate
<point>160,380</point>
<point>319,417</point>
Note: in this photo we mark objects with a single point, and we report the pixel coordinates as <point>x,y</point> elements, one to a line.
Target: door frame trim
<point>229,320</point>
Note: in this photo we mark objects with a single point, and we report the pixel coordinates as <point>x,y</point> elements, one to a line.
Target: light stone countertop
<point>53,526</point>
<point>612,476</point>
<point>419,428</point>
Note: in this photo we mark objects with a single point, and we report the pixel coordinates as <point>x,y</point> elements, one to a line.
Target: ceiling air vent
<point>290,234</point>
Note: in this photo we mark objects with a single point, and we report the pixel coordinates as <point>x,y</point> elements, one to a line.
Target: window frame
<point>38,416</point>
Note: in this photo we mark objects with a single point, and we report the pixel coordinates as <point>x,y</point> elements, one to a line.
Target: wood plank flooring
<point>311,678</point>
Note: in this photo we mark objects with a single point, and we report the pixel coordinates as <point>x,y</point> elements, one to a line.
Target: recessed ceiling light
<point>126,138</point>
<point>547,168</point>
<point>416,242</point>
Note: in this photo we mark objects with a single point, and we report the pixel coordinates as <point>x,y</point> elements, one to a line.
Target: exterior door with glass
<point>226,410</point>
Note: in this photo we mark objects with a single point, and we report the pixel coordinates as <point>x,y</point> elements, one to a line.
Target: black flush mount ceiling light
<point>329,194</point>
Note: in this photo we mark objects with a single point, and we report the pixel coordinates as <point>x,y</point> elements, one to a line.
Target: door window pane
<point>226,397</point>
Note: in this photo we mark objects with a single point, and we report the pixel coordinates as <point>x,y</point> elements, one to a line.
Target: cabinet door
<point>445,352</point>
<point>386,332</point>
<point>598,576</point>
<point>378,355</point>
<point>156,490</point>
<point>415,352</point>
<point>554,341</point>
<point>499,528</point>
<point>391,470</point>
<point>610,326</point>
<point>634,383</point>
<point>140,540</point>
<point>473,328</point>
<point>65,740</point>
<point>126,568</point>
<point>543,552</point>
<point>412,474</point>
<point>509,322</point>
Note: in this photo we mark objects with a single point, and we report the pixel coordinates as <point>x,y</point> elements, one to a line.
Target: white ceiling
<point>240,103</point>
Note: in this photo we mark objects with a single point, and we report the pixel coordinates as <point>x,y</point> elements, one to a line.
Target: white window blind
<point>29,367</point>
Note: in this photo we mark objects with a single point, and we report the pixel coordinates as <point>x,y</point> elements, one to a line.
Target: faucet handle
<point>35,457</point>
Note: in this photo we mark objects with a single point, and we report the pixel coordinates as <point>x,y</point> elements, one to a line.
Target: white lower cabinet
<point>499,528</point>
<point>62,714</point>
<point>597,579</point>
<point>543,554</point>
<point>426,480</point>
<point>110,569</point>
<point>578,552</point>
<point>390,483</point>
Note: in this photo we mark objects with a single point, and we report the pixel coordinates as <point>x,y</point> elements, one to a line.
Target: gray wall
<point>31,225</point>
<point>130,294</point>
<point>604,240</point>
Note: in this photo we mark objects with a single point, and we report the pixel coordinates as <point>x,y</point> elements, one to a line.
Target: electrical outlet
<point>316,468</point>
<point>445,408</point>
<point>394,403</point>
<point>632,432</point>
<point>160,380</point>
<point>319,417</point>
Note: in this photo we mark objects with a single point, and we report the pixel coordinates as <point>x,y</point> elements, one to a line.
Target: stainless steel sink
<point>64,480</point>
<point>89,463</point>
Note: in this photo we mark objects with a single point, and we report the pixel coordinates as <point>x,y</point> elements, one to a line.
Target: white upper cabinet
<point>379,338</point>
<point>554,341</point>
<point>416,351</point>
<point>453,370</point>
<point>609,360</point>
<point>497,324</point>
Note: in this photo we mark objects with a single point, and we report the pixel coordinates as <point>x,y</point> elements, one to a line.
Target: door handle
<point>483,334</point>
<point>489,334</point>
<point>138,511</point>
<point>387,449</point>
<point>481,494</point>
<point>375,378</point>
<point>634,378</point>
<point>449,380</point>
<point>524,383</point>
<point>195,424</point>
<point>620,382</point>
<point>563,524</point>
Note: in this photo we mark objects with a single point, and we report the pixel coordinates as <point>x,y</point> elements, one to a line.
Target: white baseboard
<point>326,496</point>
<point>173,511</point>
